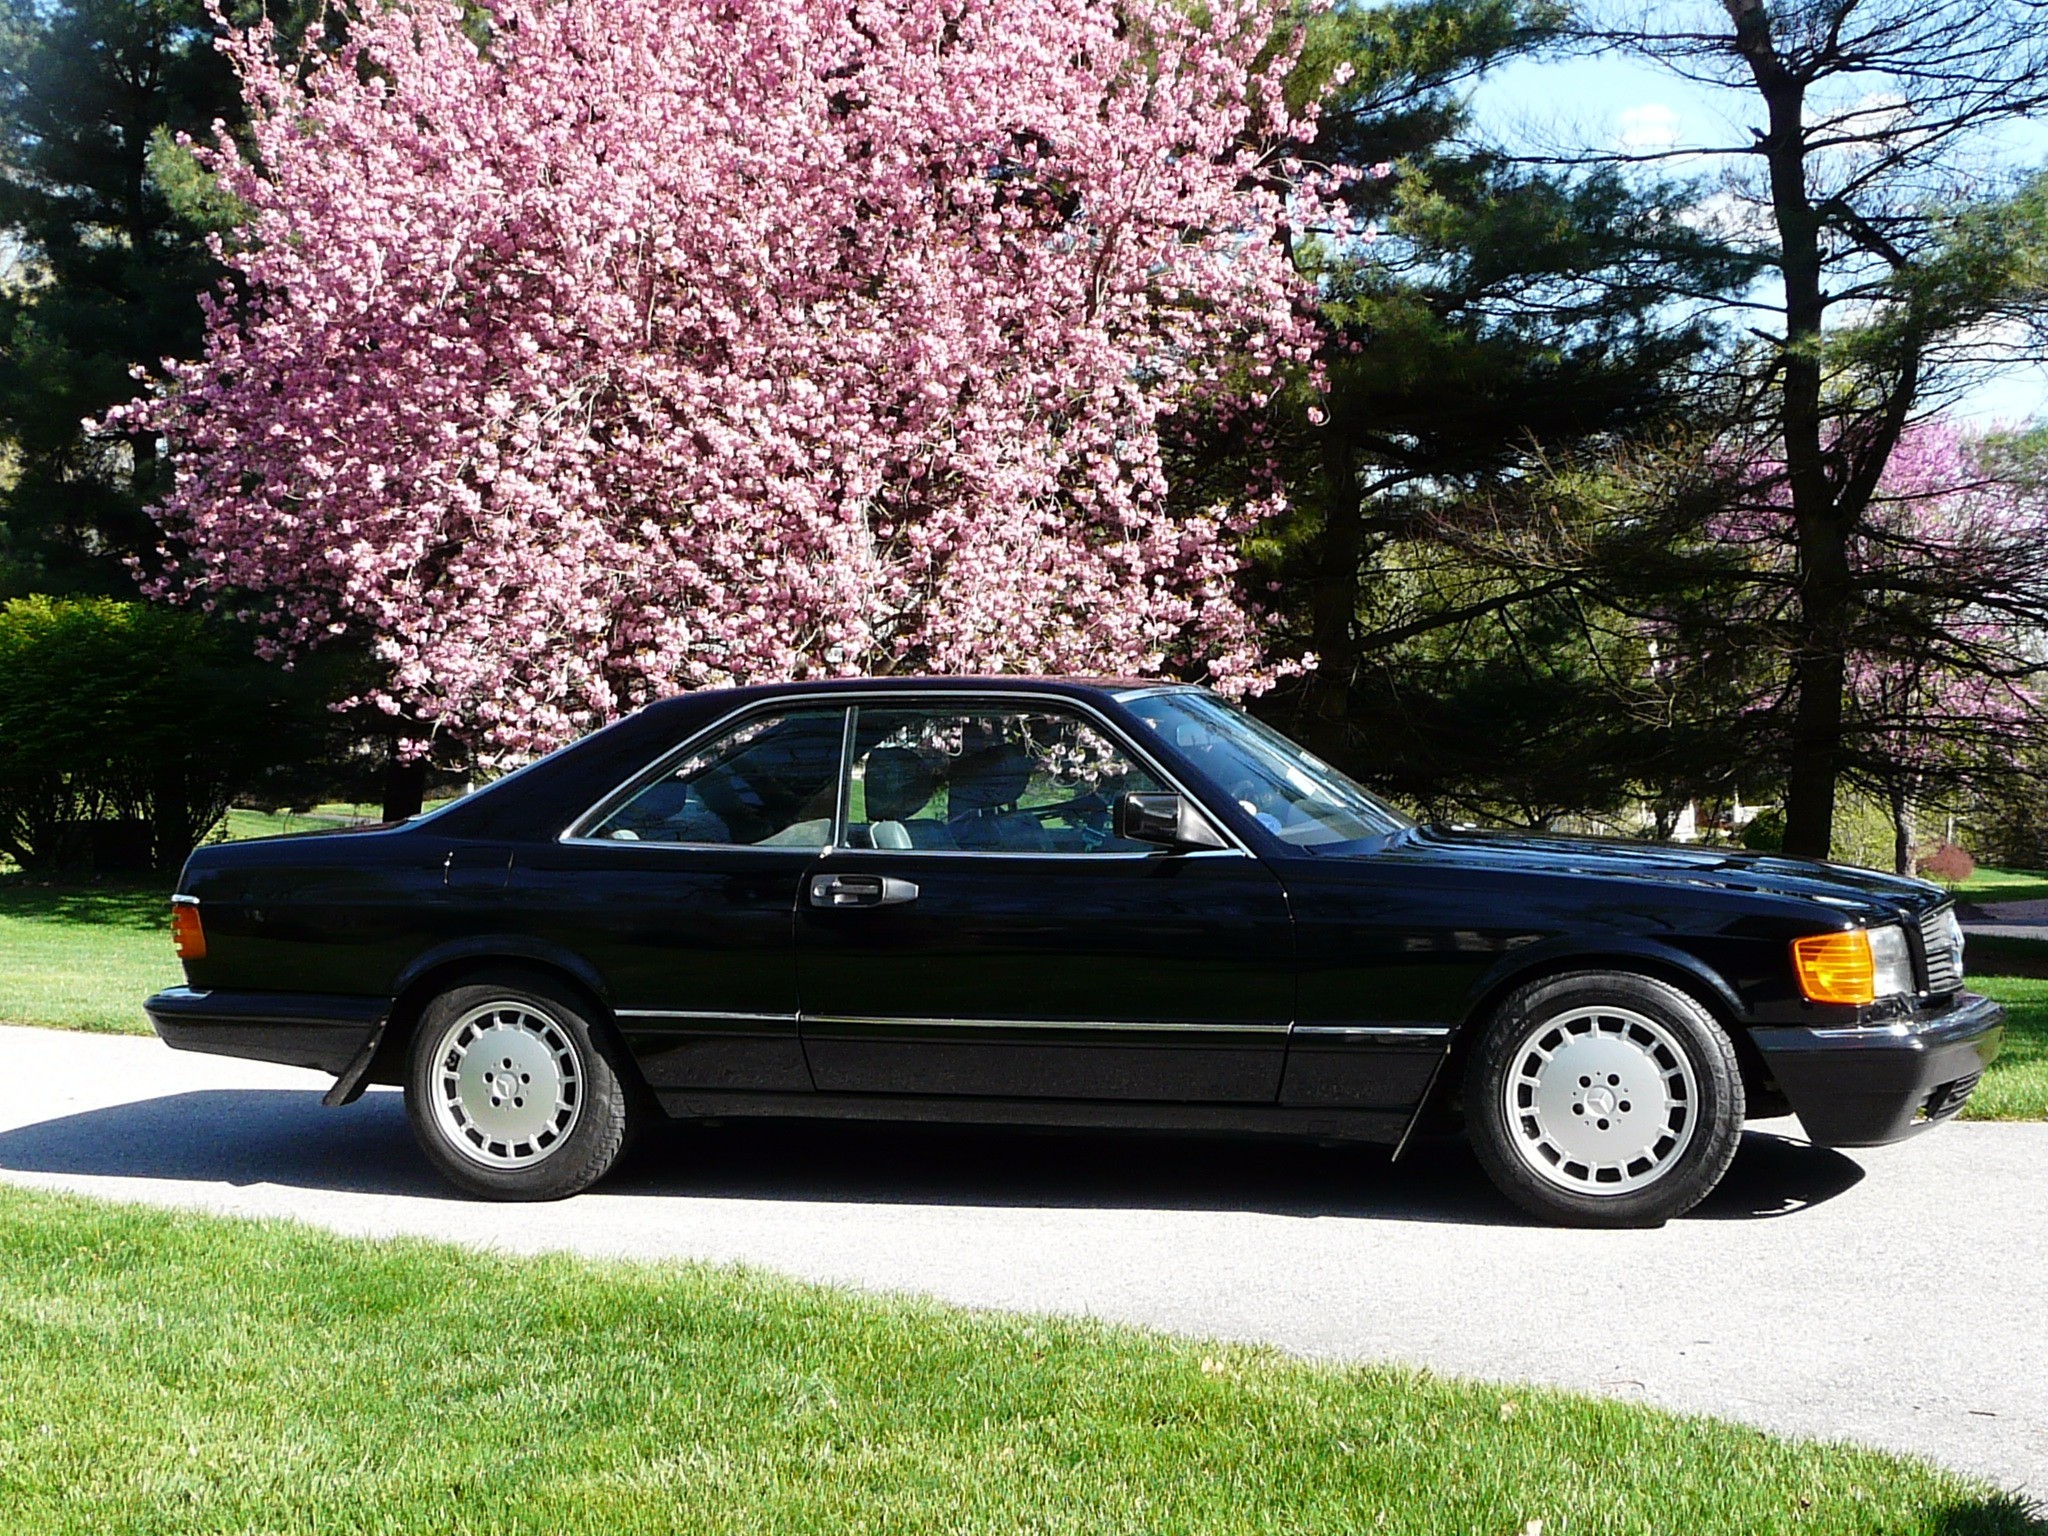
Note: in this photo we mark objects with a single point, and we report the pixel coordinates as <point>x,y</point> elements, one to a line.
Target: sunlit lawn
<point>1991,885</point>
<point>83,957</point>
<point>242,823</point>
<point>180,1375</point>
<point>2016,1087</point>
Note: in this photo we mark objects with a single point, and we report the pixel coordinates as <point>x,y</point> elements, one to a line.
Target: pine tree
<point>1496,321</point>
<point>105,270</point>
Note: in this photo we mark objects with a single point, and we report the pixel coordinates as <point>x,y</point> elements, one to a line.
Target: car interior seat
<point>981,801</point>
<point>899,783</point>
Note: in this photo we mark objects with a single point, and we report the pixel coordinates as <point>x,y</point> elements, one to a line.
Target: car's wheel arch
<point>1657,962</point>
<point>451,965</point>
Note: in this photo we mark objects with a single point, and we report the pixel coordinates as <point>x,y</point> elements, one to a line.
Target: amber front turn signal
<point>187,936</point>
<point>1836,967</point>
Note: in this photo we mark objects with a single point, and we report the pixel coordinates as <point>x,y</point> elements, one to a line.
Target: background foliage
<point>126,729</point>
<point>1534,511</point>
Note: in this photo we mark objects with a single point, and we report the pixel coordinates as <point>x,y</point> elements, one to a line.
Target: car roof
<point>712,702</point>
<point>946,681</point>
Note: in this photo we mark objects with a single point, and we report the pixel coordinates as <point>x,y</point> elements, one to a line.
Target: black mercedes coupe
<point>1061,902</point>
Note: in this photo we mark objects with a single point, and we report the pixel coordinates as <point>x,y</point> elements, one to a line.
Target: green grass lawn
<point>242,823</point>
<point>84,957</point>
<point>2016,1087</point>
<point>182,1374</point>
<point>1988,885</point>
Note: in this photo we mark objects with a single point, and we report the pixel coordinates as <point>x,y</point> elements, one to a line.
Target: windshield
<point>1297,797</point>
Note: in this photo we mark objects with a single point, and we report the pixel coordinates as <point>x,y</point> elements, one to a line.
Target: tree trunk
<point>1819,673</point>
<point>1902,831</point>
<point>1826,584</point>
<point>405,785</point>
<point>1333,594</point>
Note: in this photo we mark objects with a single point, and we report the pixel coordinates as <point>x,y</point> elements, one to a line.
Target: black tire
<point>513,1149</point>
<point>1553,1125</point>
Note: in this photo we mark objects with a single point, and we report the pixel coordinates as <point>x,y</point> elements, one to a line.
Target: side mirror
<point>1166,819</point>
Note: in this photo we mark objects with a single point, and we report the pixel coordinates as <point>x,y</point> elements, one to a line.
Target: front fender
<point>1618,951</point>
<point>1552,957</point>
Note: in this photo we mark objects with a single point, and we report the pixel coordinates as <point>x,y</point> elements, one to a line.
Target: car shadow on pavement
<point>233,1136</point>
<point>1436,1180</point>
<point>1778,1175</point>
<point>280,1137</point>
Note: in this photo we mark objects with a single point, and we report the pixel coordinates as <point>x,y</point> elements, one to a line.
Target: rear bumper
<point>298,1029</point>
<point>1869,1084</point>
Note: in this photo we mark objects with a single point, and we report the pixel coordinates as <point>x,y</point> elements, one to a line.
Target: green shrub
<point>1765,832</point>
<point>125,729</point>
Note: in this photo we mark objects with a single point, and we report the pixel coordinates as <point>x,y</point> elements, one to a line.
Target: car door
<point>681,888</point>
<point>978,928</point>
<point>1387,965</point>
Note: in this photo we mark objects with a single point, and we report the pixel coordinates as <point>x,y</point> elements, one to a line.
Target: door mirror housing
<point>1169,820</point>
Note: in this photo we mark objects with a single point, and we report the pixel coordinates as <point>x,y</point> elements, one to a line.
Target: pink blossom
<point>1943,545</point>
<point>668,343</point>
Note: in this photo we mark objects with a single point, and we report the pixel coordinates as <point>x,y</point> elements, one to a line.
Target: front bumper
<point>299,1029</point>
<point>1866,1084</point>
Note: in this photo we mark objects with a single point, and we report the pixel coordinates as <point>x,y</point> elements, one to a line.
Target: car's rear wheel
<point>1604,1099</point>
<point>514,1093</point>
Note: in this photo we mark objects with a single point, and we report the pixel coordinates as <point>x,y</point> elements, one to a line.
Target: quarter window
<point>771,782</point>
<point>990,780</point>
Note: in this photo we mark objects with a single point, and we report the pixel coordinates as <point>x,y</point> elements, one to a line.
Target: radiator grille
<point>1939,944</point>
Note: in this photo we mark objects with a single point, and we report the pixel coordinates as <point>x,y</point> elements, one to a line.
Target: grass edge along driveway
<point>175,1373</point>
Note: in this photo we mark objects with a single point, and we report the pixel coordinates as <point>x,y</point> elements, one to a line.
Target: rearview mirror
<point>1166,819</point>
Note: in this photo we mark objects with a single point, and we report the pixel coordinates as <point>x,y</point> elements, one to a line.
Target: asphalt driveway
<point>2009,919</point>
<point>1896,1296</point>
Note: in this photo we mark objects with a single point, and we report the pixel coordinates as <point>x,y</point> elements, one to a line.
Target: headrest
<point>984,780</point>
<point>899,783</point>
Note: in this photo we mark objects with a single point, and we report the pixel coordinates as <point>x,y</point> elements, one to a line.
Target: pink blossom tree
<point>1949,565</point>
<point>609,348</point>
<point>1946,690</point>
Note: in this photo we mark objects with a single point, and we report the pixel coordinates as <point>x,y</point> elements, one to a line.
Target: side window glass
<point>770,783</point>
<point>987,780</point>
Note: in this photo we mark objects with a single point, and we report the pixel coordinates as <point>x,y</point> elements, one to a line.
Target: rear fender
<point>457,955</point>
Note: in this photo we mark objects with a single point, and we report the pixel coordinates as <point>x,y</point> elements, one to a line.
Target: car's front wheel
<point>513,1093</point>
<point>1604,1099</point>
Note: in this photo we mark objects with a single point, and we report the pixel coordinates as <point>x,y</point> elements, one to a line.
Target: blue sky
<point>1607,101</point>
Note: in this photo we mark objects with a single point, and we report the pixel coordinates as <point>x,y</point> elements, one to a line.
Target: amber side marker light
<point>187,937</point>
<point>1836,967</point>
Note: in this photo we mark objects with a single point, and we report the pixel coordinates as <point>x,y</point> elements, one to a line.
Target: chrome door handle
<point>860,891</point>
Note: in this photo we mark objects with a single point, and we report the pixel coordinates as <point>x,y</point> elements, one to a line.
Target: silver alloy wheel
<point>507,1085</point>
<point>1601,1100</point>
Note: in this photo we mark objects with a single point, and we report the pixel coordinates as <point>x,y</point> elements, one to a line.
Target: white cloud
<point>1647,128</point>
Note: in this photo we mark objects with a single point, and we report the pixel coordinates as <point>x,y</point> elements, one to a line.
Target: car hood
<point>1846,888</point>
